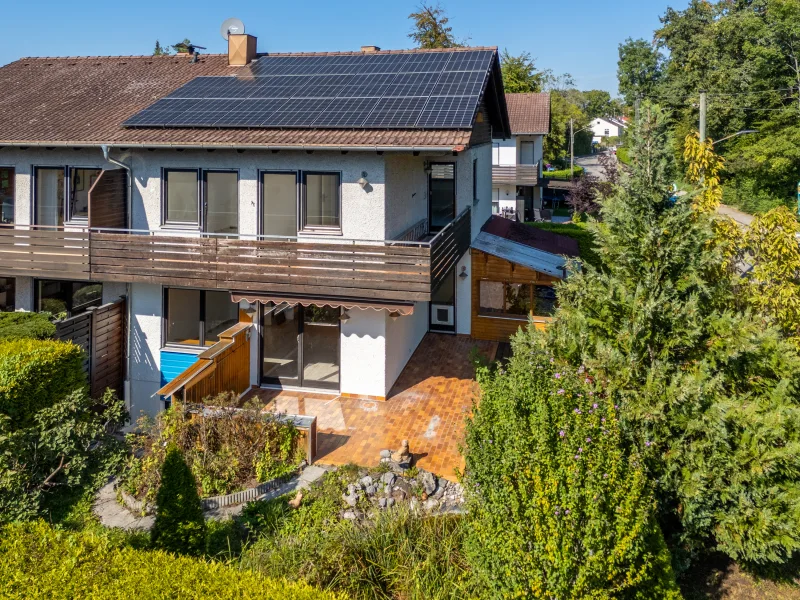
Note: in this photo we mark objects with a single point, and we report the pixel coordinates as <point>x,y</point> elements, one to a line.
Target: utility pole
<point>571,148</point>
<point>703,112</point>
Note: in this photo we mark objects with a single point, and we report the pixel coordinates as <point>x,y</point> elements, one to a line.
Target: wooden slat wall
<point>515,174</point>
<point>78,330</point>
<point>482,129</point>
<point>490,268</point>
<point>108,200</point>
<point>45,253</point>
<point>109,332</point>
<point>229,370</point>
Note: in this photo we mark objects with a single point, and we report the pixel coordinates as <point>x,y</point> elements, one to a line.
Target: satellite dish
<point>232,25</point>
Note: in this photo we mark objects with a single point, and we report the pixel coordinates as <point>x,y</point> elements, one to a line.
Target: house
<point>291,220</point>
<point>607,127</point>
<point>514,270</point>
<point>517,160</point>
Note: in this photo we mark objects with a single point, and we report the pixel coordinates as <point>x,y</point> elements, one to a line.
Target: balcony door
<point>442,195</point>
<point>300,346</point>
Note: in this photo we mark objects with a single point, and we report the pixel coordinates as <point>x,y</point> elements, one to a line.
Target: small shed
<point>514,268</point>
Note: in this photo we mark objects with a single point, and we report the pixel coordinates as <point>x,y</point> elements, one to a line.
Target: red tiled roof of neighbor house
<point>78,101</point>
<point>540,239</point>
<point>529,113</point>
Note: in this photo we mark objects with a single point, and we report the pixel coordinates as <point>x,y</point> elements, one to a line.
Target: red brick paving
<point>426,406</point>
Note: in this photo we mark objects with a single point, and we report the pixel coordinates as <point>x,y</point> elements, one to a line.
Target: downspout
<point>128,286</point>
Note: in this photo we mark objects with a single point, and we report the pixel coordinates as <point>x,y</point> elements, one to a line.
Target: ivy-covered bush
<point>559,507</point>
<point>227,449</point>
<point>35,374</point>
<point>37,561</point>
<point>179,526</point>
<point>26,325</point>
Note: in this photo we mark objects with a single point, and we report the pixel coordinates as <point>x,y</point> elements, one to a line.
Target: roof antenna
<point>189,49</point>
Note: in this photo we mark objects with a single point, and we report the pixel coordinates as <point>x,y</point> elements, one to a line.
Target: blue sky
<point>573,36</point>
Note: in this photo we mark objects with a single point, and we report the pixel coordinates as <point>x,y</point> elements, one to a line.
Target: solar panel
<point>437,90</point>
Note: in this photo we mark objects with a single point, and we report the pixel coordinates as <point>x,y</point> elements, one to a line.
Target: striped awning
<point>403,310</point>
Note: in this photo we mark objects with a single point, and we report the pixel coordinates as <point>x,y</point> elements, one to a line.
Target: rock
<point>366,481</point>
<point>428,482</point>
<point>398,494</point>
<point>402,484</point>
<point>414,504</point>
<point>295,503</point>
<point>386,454</point>
<point>403,455</point>
<point>431,504</point>
<point>439,493</point>
<point>350,499</point>
<point>351,489</point>
<point>350,515</point>
<point>382,502</point>
<point>371,490</point>
<point>388,478</point>
<point>390,502</point>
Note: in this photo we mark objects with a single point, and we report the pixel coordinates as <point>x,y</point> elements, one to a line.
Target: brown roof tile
<point>84,100</point>
<point>540,239</point>
<point>529,113</point>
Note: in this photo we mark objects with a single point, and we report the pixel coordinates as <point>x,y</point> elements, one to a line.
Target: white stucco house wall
<point>380,186</point>
<point>606,127</point>
<point>517,161</point>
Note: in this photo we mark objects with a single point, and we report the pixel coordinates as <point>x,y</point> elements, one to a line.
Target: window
<point>49,199</point>
<point>321,202</point>
<point>68,298</point>
<point>606,132</point>
<point>442,195</point>
<point>197,317</point>
<point>474,181</point>
<point>7,286</point>
<point>221,202</point>
<point>180,197</point>
<point>6,196</point>
<point>516,300</point>
<point>80,182</point>
<point>279,204</point>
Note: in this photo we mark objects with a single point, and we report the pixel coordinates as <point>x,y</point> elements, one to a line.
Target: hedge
<point>25,325</point>
<point>35,374</point>
<point>37,561</point>
<point>623,155</point>
<point>563,173</point>
<point>578,232</point>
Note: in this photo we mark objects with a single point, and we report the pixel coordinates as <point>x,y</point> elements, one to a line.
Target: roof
<point>529,114</point>
<point>527,246</point>
<point>83,101</point>
<point>613,121</point>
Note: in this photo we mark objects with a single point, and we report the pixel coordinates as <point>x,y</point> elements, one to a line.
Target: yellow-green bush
<point>37,561</point>
<point>29,325</point>
<point>35,374</point>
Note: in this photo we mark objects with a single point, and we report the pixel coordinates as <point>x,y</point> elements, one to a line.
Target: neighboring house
<point>315,210</point>
<point>607,127</point>
<point>517,161</point>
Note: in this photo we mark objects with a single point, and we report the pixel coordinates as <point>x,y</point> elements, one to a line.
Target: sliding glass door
<point>300,346</point>
<point>279,204</point>
<point>442,184</point>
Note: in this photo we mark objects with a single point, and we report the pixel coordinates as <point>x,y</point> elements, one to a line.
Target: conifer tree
<point>179,525</point>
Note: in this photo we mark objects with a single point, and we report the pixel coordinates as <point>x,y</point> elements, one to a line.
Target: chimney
<point>241,49</point>
<point>369,49</point>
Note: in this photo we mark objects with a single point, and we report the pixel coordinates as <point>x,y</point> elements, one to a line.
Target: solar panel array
<point>425,90</point>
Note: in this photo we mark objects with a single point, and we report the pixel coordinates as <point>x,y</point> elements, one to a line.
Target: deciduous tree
<point>431,29</point>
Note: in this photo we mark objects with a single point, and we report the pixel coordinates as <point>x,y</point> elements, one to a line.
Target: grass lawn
<point>718,578</point>
<point>579,232</point>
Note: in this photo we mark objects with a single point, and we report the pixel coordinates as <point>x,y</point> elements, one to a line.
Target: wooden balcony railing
<point>381,270</point>
<point>515,174</point>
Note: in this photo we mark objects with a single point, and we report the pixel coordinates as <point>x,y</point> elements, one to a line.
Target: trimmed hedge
<point>563,173</point>
<point>624,155</point>
<point>37,561</point>
<point>35,374</point>
<point>578,232</point>
<point>25,325</point>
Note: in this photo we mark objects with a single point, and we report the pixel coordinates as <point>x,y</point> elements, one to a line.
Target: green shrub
<point>577,171</point>
<point>558,507</point>
<point>179,526</point>
<point>578,232</point>
<point>35,374</point>
<point>20,325</point>
<point>624,155</point>
<point>37,561</point>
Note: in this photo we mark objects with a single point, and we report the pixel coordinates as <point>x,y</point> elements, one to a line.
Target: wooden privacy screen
<point>44,252</point>
<point>101,333</point>
<point>108,206</point>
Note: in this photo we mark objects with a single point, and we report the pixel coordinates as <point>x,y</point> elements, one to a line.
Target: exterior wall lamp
<point>345,317</point>
<point>394,315</point>
<point>463,274</point>
<point>363,181</point>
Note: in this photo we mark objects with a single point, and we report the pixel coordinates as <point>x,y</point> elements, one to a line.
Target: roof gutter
<point>162,146</point>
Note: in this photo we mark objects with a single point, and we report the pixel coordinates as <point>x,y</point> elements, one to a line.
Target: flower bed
<point>229,449</point>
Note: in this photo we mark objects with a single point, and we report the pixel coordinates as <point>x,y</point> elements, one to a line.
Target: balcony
<point>388,270</point>
<point>515,174</point>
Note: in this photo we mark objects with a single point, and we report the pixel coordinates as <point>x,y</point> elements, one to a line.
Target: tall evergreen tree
<point>709,393</point>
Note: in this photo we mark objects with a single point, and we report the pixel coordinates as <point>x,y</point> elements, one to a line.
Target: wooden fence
<point>101,332</point>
